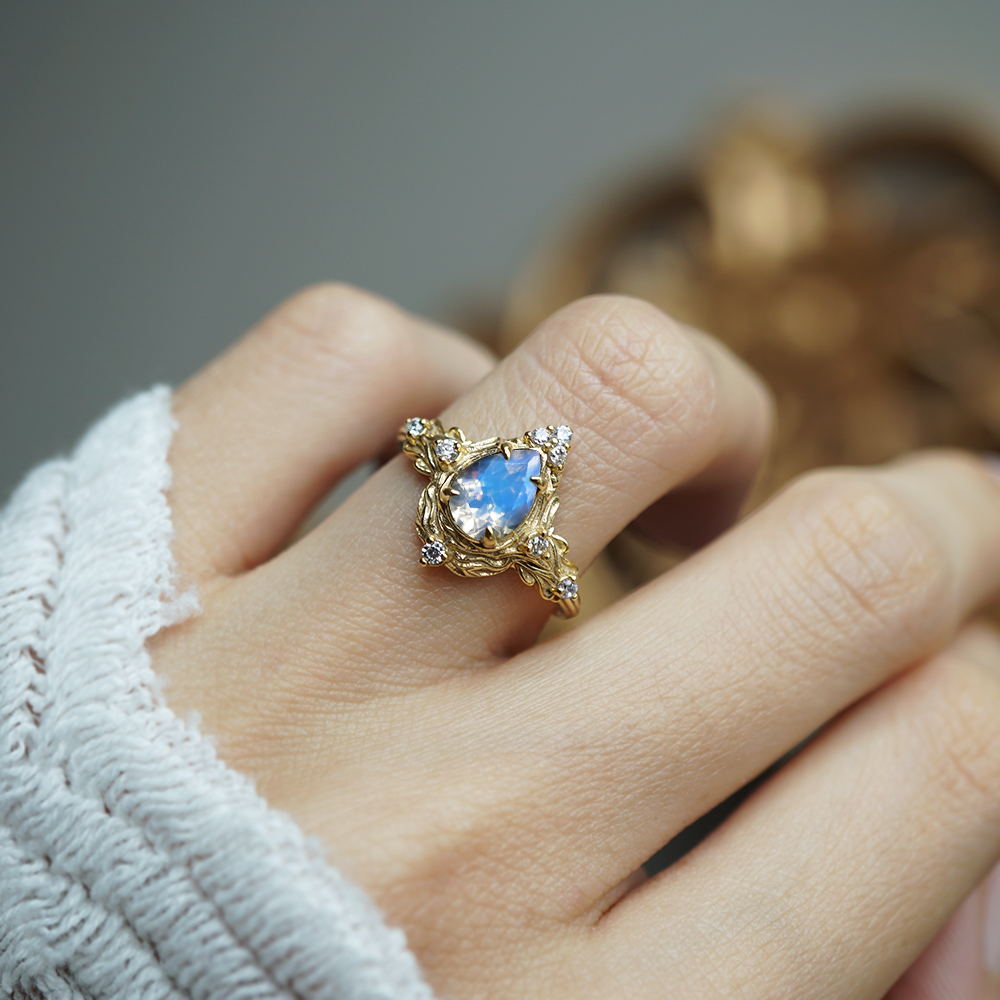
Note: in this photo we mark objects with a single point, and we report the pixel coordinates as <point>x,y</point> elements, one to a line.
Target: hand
<point>498,798</point>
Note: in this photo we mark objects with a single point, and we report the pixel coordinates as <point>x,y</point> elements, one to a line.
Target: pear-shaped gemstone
<point>495,492</point>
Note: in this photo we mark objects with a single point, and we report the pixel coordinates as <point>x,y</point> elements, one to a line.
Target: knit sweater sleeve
<point>133,863</point>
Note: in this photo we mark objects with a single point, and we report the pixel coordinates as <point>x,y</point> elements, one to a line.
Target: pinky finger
<point>315,388</point>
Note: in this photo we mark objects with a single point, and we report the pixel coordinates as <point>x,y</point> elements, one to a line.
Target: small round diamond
<point>540,436</point>
<point>433,553</point>
<point>563,434</point>
<point>446,449</point>
<point>538,545</point>
<point>557,456</point>
<point>415,426</point>
<point>566,588</point>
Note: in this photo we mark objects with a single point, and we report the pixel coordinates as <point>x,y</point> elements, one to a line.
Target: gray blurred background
<point>170,170</point>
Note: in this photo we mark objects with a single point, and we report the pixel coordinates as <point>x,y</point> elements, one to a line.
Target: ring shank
<point>569,607</point>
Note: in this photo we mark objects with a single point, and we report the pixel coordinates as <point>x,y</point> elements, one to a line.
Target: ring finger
<point>652,405</point>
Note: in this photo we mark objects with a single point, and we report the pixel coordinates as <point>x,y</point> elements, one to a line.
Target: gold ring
<point>490,505</point>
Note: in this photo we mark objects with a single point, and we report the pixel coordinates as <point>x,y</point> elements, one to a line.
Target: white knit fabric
<point>133,864</point>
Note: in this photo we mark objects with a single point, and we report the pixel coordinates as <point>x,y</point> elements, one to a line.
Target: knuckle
<point>865,559</point>
<point>336,324</point>
<point>958,729</point>
<point>625,366</point>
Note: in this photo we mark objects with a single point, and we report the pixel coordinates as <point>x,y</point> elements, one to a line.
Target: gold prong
<point>537,480</point>
<point>447,492</point>
<point>489,538</point>
<point>506,449</point>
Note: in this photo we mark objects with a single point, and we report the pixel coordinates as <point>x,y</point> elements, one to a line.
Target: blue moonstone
<point>495,492</point>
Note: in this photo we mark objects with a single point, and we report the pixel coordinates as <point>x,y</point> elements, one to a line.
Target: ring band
<point>490,505</point>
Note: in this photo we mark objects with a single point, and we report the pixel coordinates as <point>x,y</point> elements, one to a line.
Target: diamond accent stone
<point>540,436</point>
<point>446,449</point>
<point>566,588</point>
<point>433,553</point>
<point>563,434</point>
<point>538,545</point>
<point>557,456</point>
<point>495,492</point>
<point>415,426</point>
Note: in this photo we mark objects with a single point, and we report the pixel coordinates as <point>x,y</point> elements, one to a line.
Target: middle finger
<point>675,698</point>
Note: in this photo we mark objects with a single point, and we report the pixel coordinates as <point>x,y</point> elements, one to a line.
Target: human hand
<point>498,798</point>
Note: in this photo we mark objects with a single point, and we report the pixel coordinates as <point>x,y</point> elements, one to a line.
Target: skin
<point>498,798</point>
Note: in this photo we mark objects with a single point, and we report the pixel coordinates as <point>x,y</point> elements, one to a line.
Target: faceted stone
<point>538,545</point>
<point>567,588</point>
<point>446,449</point>
<point>557,456</point>
<point>433,553</point>
<point>563,434</point>
<point>415,426</point>
<point>540,436</point>
<point>495,492</point>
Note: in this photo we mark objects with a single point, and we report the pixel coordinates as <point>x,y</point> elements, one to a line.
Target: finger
<point>834,877</point>
<point>704,506</point>
<point>317,387</point>
<point>952,964</point>
<point>681,694</point>
<point>991,934</point>
<point>650,406</point>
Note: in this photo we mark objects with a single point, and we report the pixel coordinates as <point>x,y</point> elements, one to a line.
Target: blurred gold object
<point>860,275</point>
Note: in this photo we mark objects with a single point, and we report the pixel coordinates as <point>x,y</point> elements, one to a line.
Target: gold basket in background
<point>859,275</point>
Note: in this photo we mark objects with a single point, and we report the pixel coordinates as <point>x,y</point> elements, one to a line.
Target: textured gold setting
<point>539,554</point>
